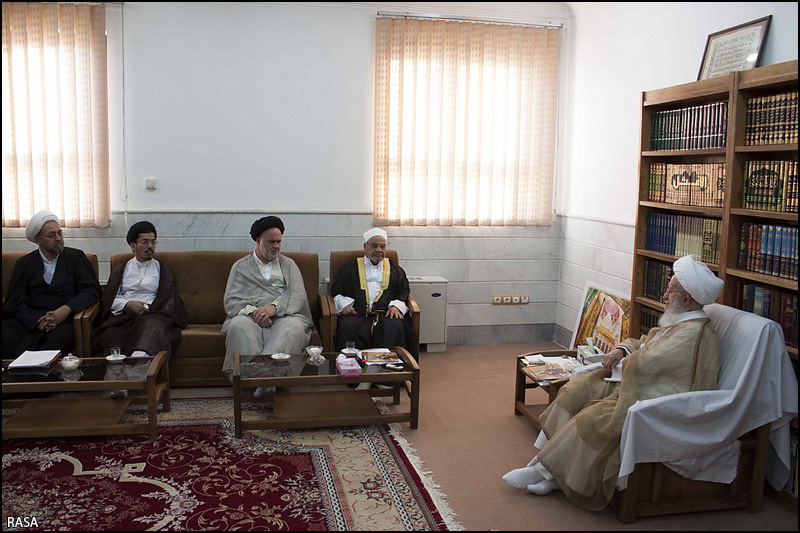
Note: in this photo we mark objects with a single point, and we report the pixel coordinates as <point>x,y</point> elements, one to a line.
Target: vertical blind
<point>465,123</point>
<point>55,113</point>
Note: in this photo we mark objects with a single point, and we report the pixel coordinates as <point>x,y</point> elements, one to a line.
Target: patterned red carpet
<point>198,476</point>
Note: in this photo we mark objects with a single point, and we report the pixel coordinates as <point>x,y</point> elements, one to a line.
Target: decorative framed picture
<point>605,316</point>
<point>734,49</point>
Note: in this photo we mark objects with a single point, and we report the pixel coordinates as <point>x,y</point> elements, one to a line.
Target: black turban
<point>141,227</point>
<point>263,224</point>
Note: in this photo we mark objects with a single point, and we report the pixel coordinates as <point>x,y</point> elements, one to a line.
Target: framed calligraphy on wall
<point>737,48</point>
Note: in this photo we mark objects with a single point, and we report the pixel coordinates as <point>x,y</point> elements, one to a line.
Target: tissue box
<point>347,367</point>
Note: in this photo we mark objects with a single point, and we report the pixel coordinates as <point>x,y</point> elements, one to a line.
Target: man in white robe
<point>141,311</point>
<point>581,429</point>
<point>266,303</point>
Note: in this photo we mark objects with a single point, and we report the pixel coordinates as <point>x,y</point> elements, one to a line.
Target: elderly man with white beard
<point>579,442</point>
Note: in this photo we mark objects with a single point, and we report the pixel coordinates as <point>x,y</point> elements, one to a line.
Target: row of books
<point>771,186</point>
<point>656,277</point>
<point>768,249</point>
<point>690,128</point>
<point>681,235</point>
<point>777,305</point>
<point>649,319</point>
<point>771,119</point>
<point>700,184</point>
<point>791,485</point>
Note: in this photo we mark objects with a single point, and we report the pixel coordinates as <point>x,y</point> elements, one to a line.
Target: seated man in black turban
<point>140,311</point>
<point>266,303</point>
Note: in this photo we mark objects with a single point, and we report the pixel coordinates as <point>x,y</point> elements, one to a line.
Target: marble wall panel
<point>478,262</point>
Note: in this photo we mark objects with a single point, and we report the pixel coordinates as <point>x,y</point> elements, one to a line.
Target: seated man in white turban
<point>266,303</point>
<point>47,287</point>
<point>370,294</point>
<point>581,429</point>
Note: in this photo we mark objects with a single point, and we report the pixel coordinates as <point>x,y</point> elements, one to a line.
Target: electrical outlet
<point>497,300</point>
<point>506,300</point>
<point>524,299</point>
<point>515,299</point>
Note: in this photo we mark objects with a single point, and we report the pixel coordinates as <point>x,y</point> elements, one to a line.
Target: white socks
<point>263,391</point>
<point>534,478</point>
<point>520,478</point>
<point>543,487</point>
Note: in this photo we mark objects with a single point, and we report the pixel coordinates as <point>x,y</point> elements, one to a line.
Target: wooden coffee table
<point>309,408</point>
<point>66,417</point>
<point>523,383</point>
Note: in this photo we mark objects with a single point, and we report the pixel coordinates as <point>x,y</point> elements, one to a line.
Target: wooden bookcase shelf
<point>735,89</point>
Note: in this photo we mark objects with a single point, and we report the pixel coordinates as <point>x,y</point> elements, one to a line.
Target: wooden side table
<point>523,383</point>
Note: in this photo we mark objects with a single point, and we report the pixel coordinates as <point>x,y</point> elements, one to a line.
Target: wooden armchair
<point>328,319</point>
<point>81,348</point>
<point>731,429</point>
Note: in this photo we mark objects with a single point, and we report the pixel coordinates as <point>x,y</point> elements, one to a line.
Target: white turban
<point>696,279</point>
<point>36,222</point>
<point>374,232</point>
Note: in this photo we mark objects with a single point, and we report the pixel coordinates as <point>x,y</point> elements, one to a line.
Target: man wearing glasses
<point>141,311</point>
<point>47,287</point>
<point>370,294</point>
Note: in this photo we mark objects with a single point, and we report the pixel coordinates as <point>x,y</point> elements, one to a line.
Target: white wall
<point>616,51</point>
<point>275,101</point>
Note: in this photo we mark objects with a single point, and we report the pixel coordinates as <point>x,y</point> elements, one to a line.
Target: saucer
<point>115,358</point>
<point>281,356</point>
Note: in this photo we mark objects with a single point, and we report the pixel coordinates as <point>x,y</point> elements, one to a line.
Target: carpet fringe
<point>438,496</point>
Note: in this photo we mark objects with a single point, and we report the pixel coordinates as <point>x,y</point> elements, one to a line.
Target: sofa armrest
<point>327,322</point>
<point>82,323</point>
<point>413,306</point>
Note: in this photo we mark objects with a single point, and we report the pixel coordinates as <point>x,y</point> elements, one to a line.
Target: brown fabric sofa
<point>201,277</point>
<point>10,259</point>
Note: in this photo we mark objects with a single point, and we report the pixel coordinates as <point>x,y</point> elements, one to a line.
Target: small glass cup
<point>350,349</point>
<point>115,351</point>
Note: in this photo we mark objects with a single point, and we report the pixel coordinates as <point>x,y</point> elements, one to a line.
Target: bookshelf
<point>689,129</point>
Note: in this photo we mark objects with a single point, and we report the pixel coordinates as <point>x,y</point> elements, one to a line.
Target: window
<point>465,123</point>
<point>55,113</point>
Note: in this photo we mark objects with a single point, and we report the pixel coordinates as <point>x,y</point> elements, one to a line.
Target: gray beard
<point>670,315</point>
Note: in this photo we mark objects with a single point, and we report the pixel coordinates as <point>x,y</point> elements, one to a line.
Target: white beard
<point>670,315</point>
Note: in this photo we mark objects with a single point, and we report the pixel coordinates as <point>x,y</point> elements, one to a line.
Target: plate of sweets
<point>281,356</point>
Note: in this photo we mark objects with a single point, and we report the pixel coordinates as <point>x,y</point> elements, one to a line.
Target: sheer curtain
<point>465,123</point>
<point>55,113</point>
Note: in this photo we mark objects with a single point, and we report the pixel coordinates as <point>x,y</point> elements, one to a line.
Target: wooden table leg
<point>237,406</point>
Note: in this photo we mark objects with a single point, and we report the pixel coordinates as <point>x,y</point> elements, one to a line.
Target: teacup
<point>313,350</point>
<point>70,362</point>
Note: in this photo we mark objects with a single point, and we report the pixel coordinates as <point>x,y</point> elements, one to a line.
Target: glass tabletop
<point>286,365</point>
<point>90,369</point>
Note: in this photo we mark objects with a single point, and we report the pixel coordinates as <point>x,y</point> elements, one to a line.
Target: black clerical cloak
<point>350,282</point>
<point>154,331</point>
